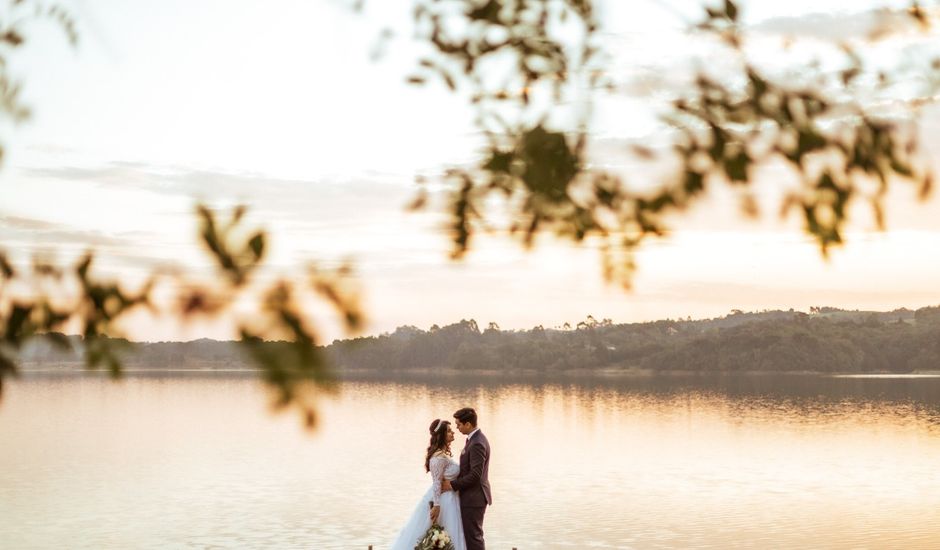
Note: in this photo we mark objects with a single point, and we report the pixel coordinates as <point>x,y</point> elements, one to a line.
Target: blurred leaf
<point>488,12</point>
<point>850,74</point>
<point>808,140</point>
<point>749,206</point>
<point>878,211</point>
<point>498,162</point>
<point>694,182</point>
<point>11,37</point>
<point>919,15</point>
<point>17,327</point>
<point>731,10</point>
<point>5,267</point>
<point>736,167</point>
<point>550,165</point>
<point>420,201</point>
<point>643,152</point>
<point>448,79</point>
<point>257,245</point>
<point>238,213</point>
<point>83,265</point>
<point>926,186</point>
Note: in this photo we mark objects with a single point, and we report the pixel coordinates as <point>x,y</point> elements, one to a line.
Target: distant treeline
<point>824,340</point>
<point>827,340</point>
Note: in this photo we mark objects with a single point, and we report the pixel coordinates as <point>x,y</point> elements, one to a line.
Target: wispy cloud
<point>838,27</point>
<point>17,230</point>
<point>704,296</point>
<point>286,196</point>
<point>324,218</point>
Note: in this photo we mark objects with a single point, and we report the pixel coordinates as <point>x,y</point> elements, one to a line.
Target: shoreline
<point>74,368</point>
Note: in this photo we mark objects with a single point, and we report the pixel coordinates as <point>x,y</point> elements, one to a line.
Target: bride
<point>444,507</point>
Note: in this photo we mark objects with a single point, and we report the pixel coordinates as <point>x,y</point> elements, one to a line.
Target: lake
<point>198,461</point>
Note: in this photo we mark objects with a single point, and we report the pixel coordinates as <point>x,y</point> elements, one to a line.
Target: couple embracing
<point>459,493</point>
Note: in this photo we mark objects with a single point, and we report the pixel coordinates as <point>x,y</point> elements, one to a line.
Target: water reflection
<point>696,462</point>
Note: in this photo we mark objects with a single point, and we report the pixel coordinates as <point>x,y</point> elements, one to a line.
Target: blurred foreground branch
<point>277,333</point>
<point>823,129</point>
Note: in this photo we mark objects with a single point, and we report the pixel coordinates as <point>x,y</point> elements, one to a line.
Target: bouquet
<point>436,538</point>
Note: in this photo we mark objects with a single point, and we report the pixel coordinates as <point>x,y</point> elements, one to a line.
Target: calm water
<point>751,462</point>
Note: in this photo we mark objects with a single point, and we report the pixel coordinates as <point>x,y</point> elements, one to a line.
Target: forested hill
<point>825,340</point>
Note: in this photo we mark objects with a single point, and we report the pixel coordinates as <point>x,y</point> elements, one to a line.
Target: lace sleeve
<point>438,465</point>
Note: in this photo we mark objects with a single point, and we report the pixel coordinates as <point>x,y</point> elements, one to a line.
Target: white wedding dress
<point>442,467</point>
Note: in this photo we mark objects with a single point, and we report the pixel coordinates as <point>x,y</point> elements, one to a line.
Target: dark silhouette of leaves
<point>724,131</point>
<point>292,365</point>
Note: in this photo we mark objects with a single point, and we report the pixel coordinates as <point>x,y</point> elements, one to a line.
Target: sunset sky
<point>281,106</point>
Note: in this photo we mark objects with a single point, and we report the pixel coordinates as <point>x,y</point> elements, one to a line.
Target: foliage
<point>294,367</point>
<point>46,300</point>
<point>825,130</point>
<point>16,17</point>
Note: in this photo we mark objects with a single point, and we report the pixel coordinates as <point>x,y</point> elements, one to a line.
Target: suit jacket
<point>473,480</point>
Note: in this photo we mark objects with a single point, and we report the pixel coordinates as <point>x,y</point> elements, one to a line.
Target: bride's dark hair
<point>438,430</point>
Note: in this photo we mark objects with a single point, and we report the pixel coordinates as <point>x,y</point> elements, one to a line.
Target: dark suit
<point>474,486</point>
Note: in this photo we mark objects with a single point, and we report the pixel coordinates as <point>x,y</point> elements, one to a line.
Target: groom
<point>473,481</point>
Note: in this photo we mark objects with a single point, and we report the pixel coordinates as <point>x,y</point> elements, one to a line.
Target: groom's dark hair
<point>467,414</point>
